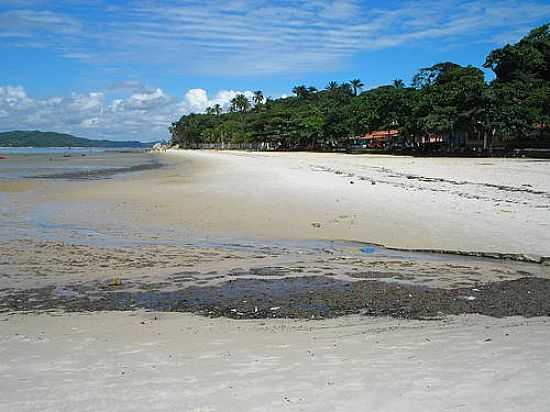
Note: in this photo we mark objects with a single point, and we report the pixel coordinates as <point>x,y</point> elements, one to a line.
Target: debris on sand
<point>115,282</point>
<point>368,250</point>
<point>314,297</point>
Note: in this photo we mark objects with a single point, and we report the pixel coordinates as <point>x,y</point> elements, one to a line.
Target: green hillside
<point>36,138</point>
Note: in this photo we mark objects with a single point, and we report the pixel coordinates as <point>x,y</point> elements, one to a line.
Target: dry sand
<point>167,362</point>
<point>281,195</point>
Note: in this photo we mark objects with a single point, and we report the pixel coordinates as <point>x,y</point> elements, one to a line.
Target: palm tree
<point>217,109</point>
<point>258,99</point>
<point>210,110</point>
<point>356,85</point>
<point>240,102</point>
<point>332,86</point>
<point>398,84</point>
<point>300,91</point>
<point>346,89</point>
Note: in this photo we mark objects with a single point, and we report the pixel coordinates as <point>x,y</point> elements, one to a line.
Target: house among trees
<point>378,139</point>
<point>448,109</point>
<point>459,141</point>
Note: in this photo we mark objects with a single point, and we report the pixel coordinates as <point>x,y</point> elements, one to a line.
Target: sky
<point>124,70</point>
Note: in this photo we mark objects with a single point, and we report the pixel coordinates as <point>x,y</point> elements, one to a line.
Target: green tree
<point>529,59</point>
<point>258,97</point>
<point>451,100</point>
<point>300,91</point>
<point>356,85</point>
<point>240,103</point>
<point>398,84</point>
<point>521,88</point>
<point>332,86</point>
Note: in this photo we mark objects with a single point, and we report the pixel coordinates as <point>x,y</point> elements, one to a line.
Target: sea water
<point>32,162</point>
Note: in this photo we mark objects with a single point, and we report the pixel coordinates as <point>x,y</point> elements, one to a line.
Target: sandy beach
<point>489,205</point>
<point>285,298</point>
<point>274,206</point>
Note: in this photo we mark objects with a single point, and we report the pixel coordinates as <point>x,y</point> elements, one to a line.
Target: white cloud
<point>84,103</point>
<point>90,123</point>
<point>143,115</point>
<point>196,100</point>
<point>147,99</point>
<point>14,98</point>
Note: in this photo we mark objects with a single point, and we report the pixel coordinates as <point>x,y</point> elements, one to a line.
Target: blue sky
<point>126,69</point>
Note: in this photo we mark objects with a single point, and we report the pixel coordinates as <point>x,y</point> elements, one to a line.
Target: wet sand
<point>15,186</point>
<point>271,282</point>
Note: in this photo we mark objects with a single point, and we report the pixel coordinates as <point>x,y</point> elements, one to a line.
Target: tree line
<point>446,100</point>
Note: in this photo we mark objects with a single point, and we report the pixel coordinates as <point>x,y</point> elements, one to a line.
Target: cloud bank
<point>143,115</point>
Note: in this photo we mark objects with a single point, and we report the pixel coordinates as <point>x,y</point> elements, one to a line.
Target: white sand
<point>282,194</point>
<point>113,362</point>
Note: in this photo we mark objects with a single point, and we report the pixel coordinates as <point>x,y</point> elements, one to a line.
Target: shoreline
<point>261,197</point>
<point>96,174</point>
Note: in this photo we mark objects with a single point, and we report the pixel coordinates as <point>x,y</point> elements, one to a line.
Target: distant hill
<point>35,138</point>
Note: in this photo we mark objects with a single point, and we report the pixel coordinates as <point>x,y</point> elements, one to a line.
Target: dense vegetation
<point>50,139</point>
<point>446,100</point>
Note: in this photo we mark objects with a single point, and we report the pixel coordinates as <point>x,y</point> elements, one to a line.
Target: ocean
<point>57,150</point>
<point>70,163</point>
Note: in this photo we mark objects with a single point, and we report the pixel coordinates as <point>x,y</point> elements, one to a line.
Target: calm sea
<point>32,162</point>
<point>61,150</point>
